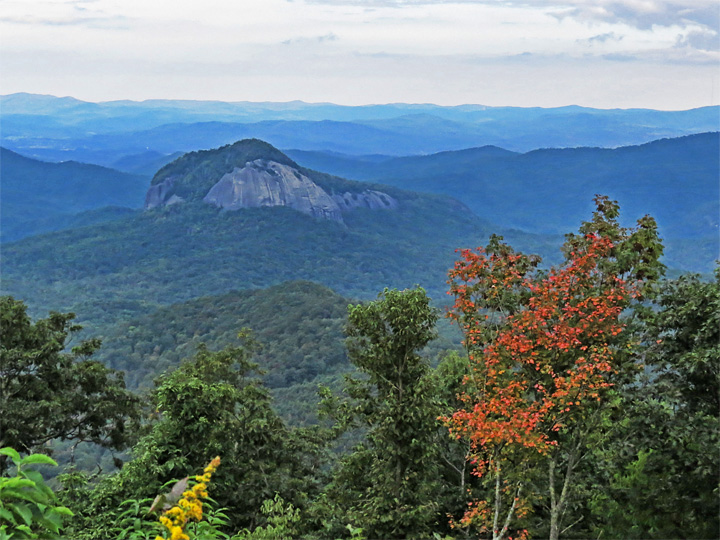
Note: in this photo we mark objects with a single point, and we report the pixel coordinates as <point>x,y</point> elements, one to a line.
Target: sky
<point>661,54</point>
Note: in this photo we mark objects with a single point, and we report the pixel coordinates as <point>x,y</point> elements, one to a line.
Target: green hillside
<point>39,192</point>
<point>298,324</point>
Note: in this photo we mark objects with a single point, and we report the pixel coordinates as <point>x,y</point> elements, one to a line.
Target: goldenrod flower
<point>189,507</point>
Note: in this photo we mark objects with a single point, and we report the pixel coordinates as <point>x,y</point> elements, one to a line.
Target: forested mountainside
<point>179,251</point>
<point>556,336</point>
<point>36,193</point>
<point>236,283</point>
<point>545,191</point>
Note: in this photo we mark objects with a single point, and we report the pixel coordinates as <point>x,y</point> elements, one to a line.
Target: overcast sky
<point>602,53</point>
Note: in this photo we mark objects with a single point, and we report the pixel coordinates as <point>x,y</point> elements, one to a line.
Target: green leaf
<point>10,483</point>
<point>6,515</point>
<point>23,511</point>
<point>11,453</point>
<point>3,533</point>
<point>63,511</point>
<point>25,529</point>
<point>50,522</point>
<point>31,496</point>
<point>38,458</point>
<point>40,485</point>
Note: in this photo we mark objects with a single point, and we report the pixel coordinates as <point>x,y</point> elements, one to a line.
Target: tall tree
<point>656,473</point>
<point>388,485</point>
<point>48,392</point>
<point>543,350</point>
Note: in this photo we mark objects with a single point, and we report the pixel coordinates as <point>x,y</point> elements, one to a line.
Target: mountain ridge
<point>251,173</point>
<point>36,191</point>
<point>105,133</point>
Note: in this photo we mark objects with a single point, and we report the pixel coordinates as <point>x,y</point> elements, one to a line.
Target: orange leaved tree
<point>543,349</point>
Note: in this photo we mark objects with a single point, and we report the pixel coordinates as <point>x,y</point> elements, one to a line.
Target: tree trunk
<point>558,502</point>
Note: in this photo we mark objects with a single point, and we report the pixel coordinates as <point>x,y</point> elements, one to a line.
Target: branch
<point>497,501</point>
<point>552,484</point>
<point>572,525</point>
<point>511,511</point>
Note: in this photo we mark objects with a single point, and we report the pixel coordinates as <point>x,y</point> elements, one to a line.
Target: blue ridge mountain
<point>55,129</point>
<point>253,174</point>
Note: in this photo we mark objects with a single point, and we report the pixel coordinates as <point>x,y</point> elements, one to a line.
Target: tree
<point>543,350</point>
<point>388,484</point>
<point>48,392</point>
<point>656,475</point>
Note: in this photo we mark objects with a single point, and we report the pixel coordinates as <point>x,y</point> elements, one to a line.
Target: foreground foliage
<point>585,405</point>
<point>543,350</point>
<point>49,393</point>
<point>28,507</point>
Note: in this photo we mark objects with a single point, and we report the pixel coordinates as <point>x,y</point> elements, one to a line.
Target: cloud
<point>616,57</point>
<point>91,22</point>
<point>700,40</point>
<point>602,38</point>
<point>643,14</point>
<point>330,36</point>
<point>61,13</point>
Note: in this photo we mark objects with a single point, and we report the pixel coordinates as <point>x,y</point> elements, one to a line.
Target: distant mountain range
<point>545,191</point>
<point>187,245</point>
<point>136,135</point>
<point>222,232</point>
<point>548,191</point>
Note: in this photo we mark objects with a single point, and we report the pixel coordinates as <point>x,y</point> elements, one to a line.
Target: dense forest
<point>578,400</point>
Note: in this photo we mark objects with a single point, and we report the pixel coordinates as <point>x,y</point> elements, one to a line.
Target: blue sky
<point>622,53</point>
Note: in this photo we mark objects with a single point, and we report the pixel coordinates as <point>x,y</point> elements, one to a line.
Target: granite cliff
<point>235,177</point>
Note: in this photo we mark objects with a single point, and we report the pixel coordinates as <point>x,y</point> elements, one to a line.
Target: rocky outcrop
<point>374,200</point>
<point>268,183</point>
<point>160,194</point>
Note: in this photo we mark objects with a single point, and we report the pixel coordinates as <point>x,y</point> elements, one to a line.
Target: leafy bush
<point>27,504</point>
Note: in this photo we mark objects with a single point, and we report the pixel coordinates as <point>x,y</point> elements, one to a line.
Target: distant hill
<point>549,191</point>
<point>57,129</point>
<point>16,231</point>
<point>41,193</point>
<point>300,326</point>
<point>145,163</point>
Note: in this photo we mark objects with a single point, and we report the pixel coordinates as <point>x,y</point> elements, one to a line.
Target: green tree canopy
<point>390,484</point>
<point>656,473</point>
<point>212,405</point>
<point>48,392</point>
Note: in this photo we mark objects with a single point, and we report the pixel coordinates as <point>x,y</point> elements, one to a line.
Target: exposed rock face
<point>267,183</point>
<point>374,200</point>
<point>159,194</point>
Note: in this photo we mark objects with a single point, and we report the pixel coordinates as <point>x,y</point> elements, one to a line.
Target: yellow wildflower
<point>189,507</point>
<point>176,533</point>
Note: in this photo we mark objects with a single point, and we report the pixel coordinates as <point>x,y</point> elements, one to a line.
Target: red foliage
<point>533,374</point>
